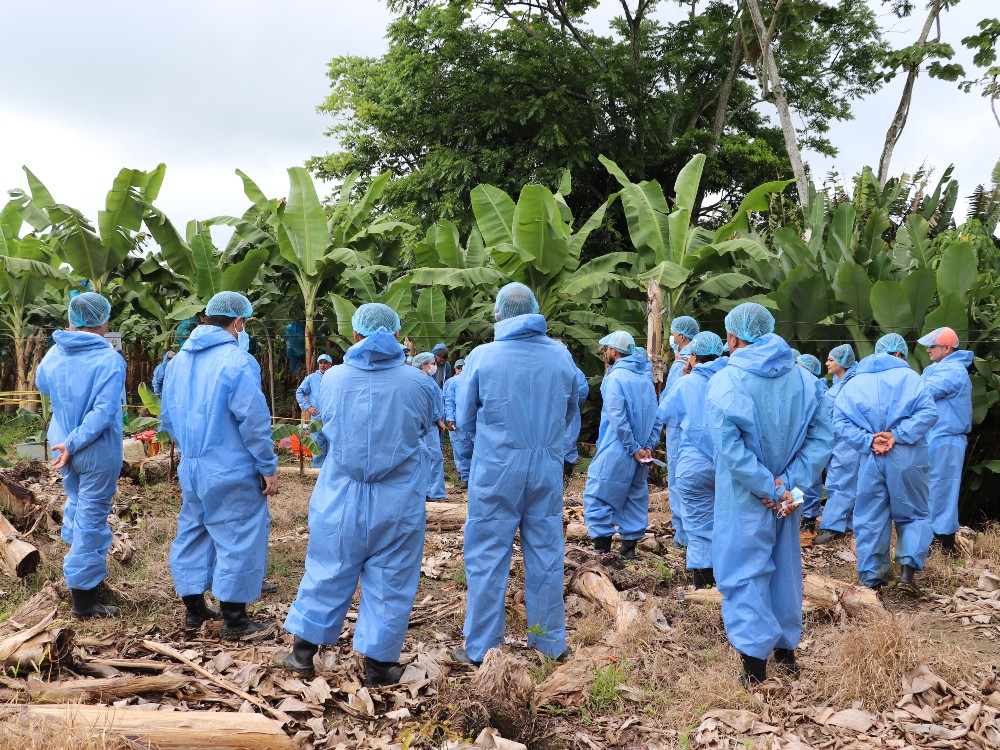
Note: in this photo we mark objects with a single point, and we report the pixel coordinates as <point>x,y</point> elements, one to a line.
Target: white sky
<point>215,85</point>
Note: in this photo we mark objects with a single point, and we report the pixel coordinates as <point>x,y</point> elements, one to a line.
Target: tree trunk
<point>165,730</point>
<point>771,75</point>
<point>20,557</point>
<point>895,131</point>
<point>654,333</point>
<point>90,690</point>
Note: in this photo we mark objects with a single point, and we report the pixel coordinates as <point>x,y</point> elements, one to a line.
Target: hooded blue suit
<point>768,423</point>
<point>84,377</point>
<point>842,471</point>
<point>461,442</point>
<point>573,431</point>
<point>674,375</point>
<point>887,396</point>
<point>306,396</point>
<point>368,511</point>
<point>518,417</point>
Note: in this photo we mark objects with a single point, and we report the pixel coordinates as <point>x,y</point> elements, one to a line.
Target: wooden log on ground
<point>446,515</point>
<point>33,611</point>
<point>830,594</point>
<point>94,690</point>
<point>704,596</point>
<point>17,501</point>
<point>576,531</point>
<point>19,557</point>
<point>595,584</point>
<point>164,730</point>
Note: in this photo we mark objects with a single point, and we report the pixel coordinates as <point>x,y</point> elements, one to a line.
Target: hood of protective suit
<point>633,363</point>
<point>519,327</point>
<point>880,363</point>
<point>961,357</point>
<point>379,351</point>
<point>707,369</point>
<point>768,357</point>
<point>71,341</point>
<point>205,337</point>
<point>849,373</point>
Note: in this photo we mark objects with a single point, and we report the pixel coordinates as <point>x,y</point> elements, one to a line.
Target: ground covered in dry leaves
<point>648,667</point>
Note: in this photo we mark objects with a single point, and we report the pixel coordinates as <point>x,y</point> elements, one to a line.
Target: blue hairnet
<point>685,325</point>
<point>796,353</point>
<point>749,322</point>
<point>439,348</point>
<point>459,363</point>
<point>89,310</point>
<point>374,315</point>
<point>810,362</point>
<point>890,344</point>
<point>422,359</point>
<point>843,355</point>
<point>621,341</point>
<point>324,358</point>
<point>642,351</point>
<point>229,305</point>
<point>705,344</point>
<point>514,299</point>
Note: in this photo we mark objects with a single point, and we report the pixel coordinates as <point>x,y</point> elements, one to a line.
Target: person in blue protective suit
<point>518,416</point>
<point>662,417</point>
<point>682,331</point>
<point>461,442</point>
<point>643,355</point>
<point>84,377</point>
<point>214,410</point>
<point>160,370</point>
<point>771,435</point>
<point>813,493</point>
<point>947,381</point>
<point>184,329</point>
<point>432,440</point>
<point>616,497</point>
<point>307,397</point>
<point>572,454</point>
<point>884,413</point>
<point>442,367</point>
<point>295,345</point>
<point>694,480</point>
<point>367,514</point>
<point>842,471</point>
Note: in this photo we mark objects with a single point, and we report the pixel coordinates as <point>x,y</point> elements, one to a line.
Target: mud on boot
<point>784,659</point>
<point>628,549</point>
<point>825,536</point>
<point>906,573</point>
<point>381,673</point>
<point>602,544</point>
<point>299,659</point>
<point>754,670</point>
<point>85,605</point>
<point>198,611</point>
<point>236,622</point>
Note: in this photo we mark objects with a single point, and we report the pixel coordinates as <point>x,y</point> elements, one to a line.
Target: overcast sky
<point>216,85</point>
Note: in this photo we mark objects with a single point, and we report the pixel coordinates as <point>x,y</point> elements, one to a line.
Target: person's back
<point>948,383</point>
<point>688,414</point>
<point>771,434</point>
<point>461,441</point>
<point>886,396</point>
<point>517,404</point>
<point>572,448</point>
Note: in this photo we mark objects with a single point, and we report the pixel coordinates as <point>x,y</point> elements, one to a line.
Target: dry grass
<point>868,660</point>
<point>987,545</point>
<point>21,732</point>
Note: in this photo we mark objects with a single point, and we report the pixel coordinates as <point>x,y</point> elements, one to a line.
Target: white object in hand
<point>797,496</point>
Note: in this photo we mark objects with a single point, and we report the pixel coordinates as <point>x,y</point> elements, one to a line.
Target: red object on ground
<point>297,447</point>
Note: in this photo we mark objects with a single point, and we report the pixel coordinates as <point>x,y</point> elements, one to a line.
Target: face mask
<point>432,369</point>
<point>243,341</point>
<point>673,344</point>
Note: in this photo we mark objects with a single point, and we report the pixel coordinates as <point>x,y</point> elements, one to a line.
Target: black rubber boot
<point>754,670</point>
<point>947,544</point>
<point>198,611</point>
<point>602,544</point>
<point>704,578</point>
<point>381,673</point>
<point>300,659</point>
<point>628,549</point>
<point>825,536</point>
<point>906,573</point>
<point>236,622</point>
<point>461,655</point>
<point>785,659</point>
<point>464,484</point>
<point>567,469</point>
<point>808,524</point>
<point>85,605</point>
<point>268,587</point>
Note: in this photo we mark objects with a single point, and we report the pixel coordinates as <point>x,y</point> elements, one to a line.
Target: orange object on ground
<point>297,447</point>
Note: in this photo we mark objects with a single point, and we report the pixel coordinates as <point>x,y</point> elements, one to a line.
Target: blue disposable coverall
<point>158,373</point>
<point>813,494</point>
<point>887,396</point>
<point>215,411</point>
<point>694,481</point>
<point>84,377</point>
<point>295,345</point>
<point>676,504</point>
<point>572,454</point>
<point>767,424</point>
<point>461,442</point>
<point>518,416</point>
<point>616,497</point>
<point>842,471</point>
<point>949,385</point>
<point>367,513</point>
<point>431,443</point>
<point>306,395</point>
